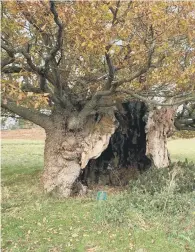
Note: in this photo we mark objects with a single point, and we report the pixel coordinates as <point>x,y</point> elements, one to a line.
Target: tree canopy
<point>85,56</point>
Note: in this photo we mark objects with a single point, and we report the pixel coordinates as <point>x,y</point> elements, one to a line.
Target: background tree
<point>80,60</point>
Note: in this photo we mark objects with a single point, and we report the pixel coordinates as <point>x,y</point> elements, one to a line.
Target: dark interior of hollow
<point>125,152</point>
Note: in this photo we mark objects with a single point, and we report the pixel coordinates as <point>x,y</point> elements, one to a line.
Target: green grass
<point>32,221</point>
<point>180,149</point>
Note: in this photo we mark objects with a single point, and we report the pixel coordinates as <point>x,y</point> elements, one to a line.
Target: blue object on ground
<point>101,195</point>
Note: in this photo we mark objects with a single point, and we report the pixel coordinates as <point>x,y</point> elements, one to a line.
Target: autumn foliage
<point>96,38</point>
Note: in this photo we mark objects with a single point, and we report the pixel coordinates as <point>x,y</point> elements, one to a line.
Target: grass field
<point>32,221</point>
<point>180,149</point>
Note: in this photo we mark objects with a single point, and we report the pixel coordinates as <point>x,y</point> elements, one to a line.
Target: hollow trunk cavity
<point>110,150</point>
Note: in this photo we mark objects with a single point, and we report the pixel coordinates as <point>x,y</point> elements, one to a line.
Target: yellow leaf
<point>83,44</point>
<point>82,20</point>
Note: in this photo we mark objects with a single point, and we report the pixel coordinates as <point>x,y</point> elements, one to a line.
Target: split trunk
<point>107,150</point>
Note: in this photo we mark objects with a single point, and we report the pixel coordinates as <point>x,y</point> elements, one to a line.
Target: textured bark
<point>125,155</point>
<point>67,152</point>
<point>61,162</point>
<point>139,142</point>
<point>159,126</point>
<point>110,150</point>
<point>98,139</point>
<point>28,114</point>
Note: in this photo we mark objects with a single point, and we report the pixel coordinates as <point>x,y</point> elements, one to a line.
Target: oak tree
<point>104,79</point>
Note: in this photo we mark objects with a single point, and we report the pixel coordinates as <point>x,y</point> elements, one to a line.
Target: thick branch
<point>52,54</point>
<point>49,71</point>
<point>153,102</point>
<point>12,69</point>
<point>36,90</point>
<point>185,119</point>
<point>10,58</point>
<point>28,114</point>
<point>31,67</point>
<point>91,105</point>
<point>43,88</point>
<point>6,61</point>
<point>59,35</point>
<point>132,77</point>
<point>30,63</point>
<point>111,71</point>
<point>185,125</point>
<point>10,51</point>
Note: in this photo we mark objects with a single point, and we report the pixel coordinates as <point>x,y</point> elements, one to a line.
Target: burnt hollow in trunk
<point>125,154</point>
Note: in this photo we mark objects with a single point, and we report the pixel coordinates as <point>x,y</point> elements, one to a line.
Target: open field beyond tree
<point>33,221</point>
<point>109,88</point>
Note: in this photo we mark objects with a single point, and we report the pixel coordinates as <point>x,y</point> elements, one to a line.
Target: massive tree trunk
<point>67,152</point>
<point>108,150</point>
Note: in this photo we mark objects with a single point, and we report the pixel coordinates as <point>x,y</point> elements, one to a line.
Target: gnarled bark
<point>125,155</point>
<point>67,152</point>
<point>139,142</point>
<point>98,139</point>
<point>62,152</point>
<point>110,150</point>
<point>159,126</point>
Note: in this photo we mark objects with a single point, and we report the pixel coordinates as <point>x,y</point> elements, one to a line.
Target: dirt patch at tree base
<point>25,134</point>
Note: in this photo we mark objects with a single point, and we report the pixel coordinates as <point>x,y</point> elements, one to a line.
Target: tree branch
<point>142,70</point>
<point>10,51</point>
<point>12,69</point>
<point>36,90</point>
<point>6,61</point>
<point>185,118</point>
<point>91,105</point>
<point>185,124</point>
<point>28,114</point>
<point>114,12</point>
<point>133,76</point>
<point>153,102</point>
<point>30,18</point>
<point>10,58</point>
<point>30,63</point>
<point>49,71</point>
<point>111,71</point>
<point>59,35</point>
<point>52,54</point>
<point>31,67</point>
